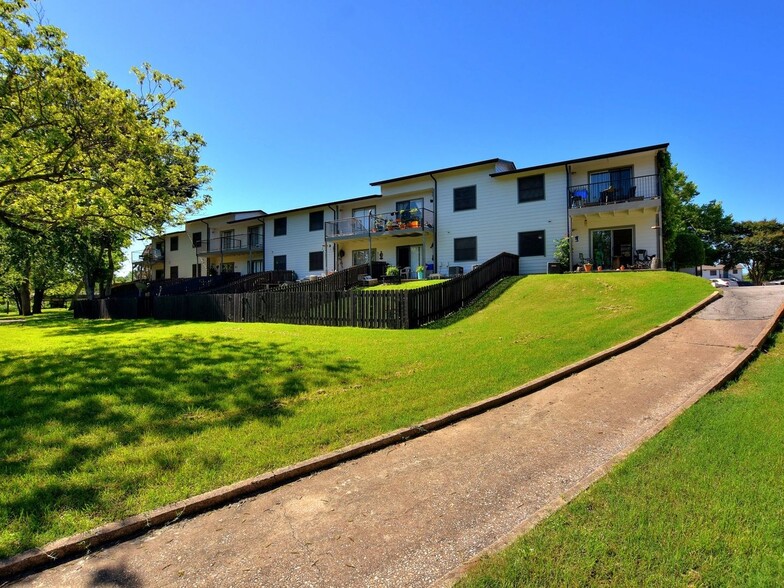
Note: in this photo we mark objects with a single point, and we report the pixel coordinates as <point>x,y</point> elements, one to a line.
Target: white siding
<point>297,243</point>
<point>639,220</point>
<point>499,218</point>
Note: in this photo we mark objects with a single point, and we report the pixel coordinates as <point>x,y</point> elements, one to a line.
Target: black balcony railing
<point>414,220</point>
<point>231,244</point>
<point>148,255</point>
<point>610,192</point>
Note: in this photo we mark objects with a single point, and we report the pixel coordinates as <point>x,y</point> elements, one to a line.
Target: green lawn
<point>103,419</point>
<point>406,285</point>
<point>700,504</point>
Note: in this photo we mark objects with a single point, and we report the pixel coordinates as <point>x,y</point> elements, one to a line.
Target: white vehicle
<point>719,283</point>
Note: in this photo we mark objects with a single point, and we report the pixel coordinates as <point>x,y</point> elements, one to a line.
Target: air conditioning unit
<point>455,270</point>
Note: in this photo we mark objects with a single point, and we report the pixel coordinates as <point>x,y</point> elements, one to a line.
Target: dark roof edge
<point>201,218</point>
<point>442,170</point>
<point>323,204</point>
<point>582,159</point>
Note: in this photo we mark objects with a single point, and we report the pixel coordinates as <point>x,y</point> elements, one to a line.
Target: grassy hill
<point>102,419</point>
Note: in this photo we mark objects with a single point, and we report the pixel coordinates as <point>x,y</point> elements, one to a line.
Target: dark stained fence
<point>113,308</point>
<point>431,303</point>
<point>387,309</point>
<point>253,282</point>
<point>340,280</point>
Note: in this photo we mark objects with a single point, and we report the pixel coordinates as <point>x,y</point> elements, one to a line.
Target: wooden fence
<point>389,309</point>
<point>113,308</point>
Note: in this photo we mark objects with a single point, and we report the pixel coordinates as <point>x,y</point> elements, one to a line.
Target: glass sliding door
<point>612,248</point>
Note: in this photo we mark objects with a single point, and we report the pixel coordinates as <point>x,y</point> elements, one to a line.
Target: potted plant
<point>392,275</point>
<point>587,264</point>
<point>420,272</point>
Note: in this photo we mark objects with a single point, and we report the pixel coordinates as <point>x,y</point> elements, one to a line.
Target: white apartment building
<point>447,219</point>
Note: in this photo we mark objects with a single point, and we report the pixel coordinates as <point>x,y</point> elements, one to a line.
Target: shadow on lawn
<point>62,412</point>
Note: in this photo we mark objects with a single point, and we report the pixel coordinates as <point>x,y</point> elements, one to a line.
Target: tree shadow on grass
<point>138,410</point>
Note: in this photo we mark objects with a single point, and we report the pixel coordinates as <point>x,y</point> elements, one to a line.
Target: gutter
<point>435,226</point>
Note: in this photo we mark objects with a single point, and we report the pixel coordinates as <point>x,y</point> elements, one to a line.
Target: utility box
<point>554,268</point>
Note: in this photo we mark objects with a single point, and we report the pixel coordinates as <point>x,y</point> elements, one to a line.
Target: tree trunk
<point>24,299</point>
<point>76,294</point>
<point>38,300</point>
<point>110,273</point>
<point>24,291</point>
<point>89,286</point>
<point>18,300</point>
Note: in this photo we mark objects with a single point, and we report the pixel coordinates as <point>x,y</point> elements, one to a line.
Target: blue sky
<point>302,102</point>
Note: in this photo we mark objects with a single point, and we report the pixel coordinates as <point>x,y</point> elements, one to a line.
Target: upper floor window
<point>174,243</point>
<point>197,239</point>
<point>280,226</point>
<point>465,198</point>
<point>317,220</point>
<point>254,236</point>
<point>530,188</point>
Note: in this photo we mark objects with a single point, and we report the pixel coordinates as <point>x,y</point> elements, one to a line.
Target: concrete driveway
<point>412,514</point>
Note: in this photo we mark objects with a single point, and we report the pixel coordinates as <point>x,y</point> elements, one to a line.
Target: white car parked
<point>719,283</point>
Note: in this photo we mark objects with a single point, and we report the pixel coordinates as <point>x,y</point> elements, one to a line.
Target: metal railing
<point>609,192</point>
<point>231,244</point>
<point>148,255</point>
<point>414,220</point>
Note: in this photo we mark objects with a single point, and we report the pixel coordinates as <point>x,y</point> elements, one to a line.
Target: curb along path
<point>412,512</point>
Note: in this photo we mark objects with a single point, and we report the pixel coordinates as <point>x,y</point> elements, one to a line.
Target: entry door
<point>409,256</point>
<point>403,256</point>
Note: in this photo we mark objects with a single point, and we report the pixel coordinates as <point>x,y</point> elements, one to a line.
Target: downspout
<point>208,246</point>
<point>334,248</point>
<point>568,169</point>
<point>263,245</point>
<point>435,223</point>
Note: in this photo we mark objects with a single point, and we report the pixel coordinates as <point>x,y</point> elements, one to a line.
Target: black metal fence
<point>621,189</point>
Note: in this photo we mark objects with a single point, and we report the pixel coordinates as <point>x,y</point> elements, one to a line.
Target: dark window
<point>279,262</point>
<point>174,272</point>
<point>197,239</point>
<point>280,226</point>
<point>530,188</point>
<point>196,270</point>
<point>530,244</point>
<point>465,249</point>
<point>317,220</point>
<point>465,198</point>
<point>159,274</point>
<point>316,261</point>
<point>174,243</point>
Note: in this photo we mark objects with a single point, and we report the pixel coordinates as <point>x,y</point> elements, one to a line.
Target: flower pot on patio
<point>587,266</point>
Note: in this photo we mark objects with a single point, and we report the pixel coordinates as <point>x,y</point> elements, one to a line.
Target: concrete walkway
<point>413,514</point>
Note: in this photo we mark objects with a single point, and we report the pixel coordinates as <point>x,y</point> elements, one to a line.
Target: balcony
<point>149,255</point>
<point>625,190</point>
<point>231,244</point>
<point>400,223</point>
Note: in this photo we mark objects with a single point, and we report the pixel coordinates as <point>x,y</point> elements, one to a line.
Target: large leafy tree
<point>75,148</point>
<point>682,216</point>
<point>759,245</point>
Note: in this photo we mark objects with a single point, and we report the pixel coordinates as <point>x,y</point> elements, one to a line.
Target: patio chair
<point>641,259</point>
<point>405,273</point>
